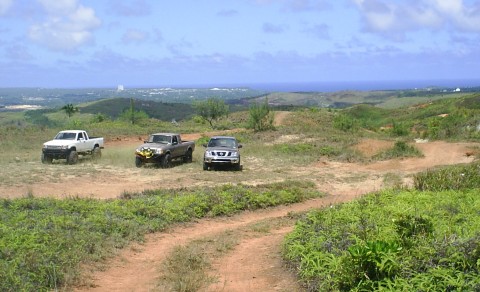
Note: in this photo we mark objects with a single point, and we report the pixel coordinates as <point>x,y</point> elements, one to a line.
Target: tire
<point>138,162</point>
<point>46,159</point>
<point>237,167</point>
<point>205,166</point>
<point>72,157</point>
<point>188,156</point>
<point>167,161</point>
<point>96,153</point>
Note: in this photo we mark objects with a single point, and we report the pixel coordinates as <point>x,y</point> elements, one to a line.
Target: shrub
<point>457,177</point>
<point>431,245</point>
<point>44,241</point>
<point>399,149</point>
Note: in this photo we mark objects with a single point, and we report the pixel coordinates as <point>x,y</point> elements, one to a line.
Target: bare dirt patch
<point>255,264</point>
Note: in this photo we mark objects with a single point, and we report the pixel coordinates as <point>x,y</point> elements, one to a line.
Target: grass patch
<point>186,268</point>
<point>397,240</point>
<point>458,177</point>
<point>399,150</point>
<point>44,241</point>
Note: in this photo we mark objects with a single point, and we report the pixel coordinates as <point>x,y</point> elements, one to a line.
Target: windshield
<point>159,139</point>
<point>65,136</point>
<point>222,142</point>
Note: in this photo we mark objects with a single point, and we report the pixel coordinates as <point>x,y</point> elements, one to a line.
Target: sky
<point>182,43</point>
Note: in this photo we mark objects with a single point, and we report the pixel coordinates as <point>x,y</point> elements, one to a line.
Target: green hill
<point>114,107</point>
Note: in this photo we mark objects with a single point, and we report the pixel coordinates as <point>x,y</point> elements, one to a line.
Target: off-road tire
<point>188,156</point>
<point>72,157</point>
<point>138,162</point>
<point>205,166</point>
<point>46,159</point>
<point>96,153</point>
<point>166,161</point>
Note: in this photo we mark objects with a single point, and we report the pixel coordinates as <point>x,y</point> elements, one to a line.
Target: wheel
<point>72,157</point>
<point>205,166</point>
<point>138,162</point>
<point>167,161</point>
<point>96,153</point>
<point>237,167</point>
<point>188,157</point>
<point>46,159</point>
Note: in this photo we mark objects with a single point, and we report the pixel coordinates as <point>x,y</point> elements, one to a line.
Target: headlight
<point>234,153</point>
<point>208,153</point>
<point>64,146</point>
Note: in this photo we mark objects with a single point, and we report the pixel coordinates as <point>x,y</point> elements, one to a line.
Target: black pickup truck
<point>162,148</point>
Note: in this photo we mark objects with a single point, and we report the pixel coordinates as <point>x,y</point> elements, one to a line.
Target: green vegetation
<point>400,149</point>
<point>449,178</point>
<point>131,115</point>
<point>186,268</point>
<point>424,239</point>
<point>395,240</point>
<point>70,109</point>
<point>44,241</point>
<point>211,110</point>
<point>114,107</point>
<point>260,117</point>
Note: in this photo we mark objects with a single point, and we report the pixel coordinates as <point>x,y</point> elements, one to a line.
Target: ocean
<point>365,85</point>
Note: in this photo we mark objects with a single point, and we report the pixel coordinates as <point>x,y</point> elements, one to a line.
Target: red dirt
<point>255,264</point>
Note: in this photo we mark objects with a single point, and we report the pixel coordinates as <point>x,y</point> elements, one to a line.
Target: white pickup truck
<point>69,144</point>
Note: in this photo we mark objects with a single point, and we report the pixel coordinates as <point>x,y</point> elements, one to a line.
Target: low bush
<point>399,149</point>
<point>44,241</point>
<point>390,241</point>
<point>457,177</point>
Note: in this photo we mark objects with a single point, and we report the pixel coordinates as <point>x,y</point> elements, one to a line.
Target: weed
<point>400,149</point>
<point>437,250</point>
<point>44,241</point>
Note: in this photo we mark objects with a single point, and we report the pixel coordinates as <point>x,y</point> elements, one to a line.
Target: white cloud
<point>297,5</point>
<point>385,17</point>
<point>5,5</point>
<point>68,26</point>
<point>134,36</point>
<point>134,8</point>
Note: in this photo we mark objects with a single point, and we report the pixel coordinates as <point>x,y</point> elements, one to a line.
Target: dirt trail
<point>256,264</point>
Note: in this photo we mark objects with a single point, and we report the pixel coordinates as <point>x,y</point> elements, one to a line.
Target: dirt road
<point>255,263</point>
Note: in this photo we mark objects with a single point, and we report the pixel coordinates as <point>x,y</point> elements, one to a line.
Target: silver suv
<point>222,151</point>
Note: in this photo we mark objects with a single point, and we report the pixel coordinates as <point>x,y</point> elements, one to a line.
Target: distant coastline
<point>321,86</point>
<point>364,85</point>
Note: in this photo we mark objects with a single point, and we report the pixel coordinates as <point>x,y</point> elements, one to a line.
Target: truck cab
<point>69,144</point>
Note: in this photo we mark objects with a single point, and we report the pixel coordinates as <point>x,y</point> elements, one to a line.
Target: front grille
<point>222,153</point>
<point>53,147</point>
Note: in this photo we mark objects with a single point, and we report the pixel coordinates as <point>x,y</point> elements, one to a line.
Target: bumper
<point>56,153</point>
<point>156,158</point>
<point>221,160</point>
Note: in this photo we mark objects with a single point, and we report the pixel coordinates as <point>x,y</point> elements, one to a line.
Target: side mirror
<point>204,145</point>
<point>240,146</point>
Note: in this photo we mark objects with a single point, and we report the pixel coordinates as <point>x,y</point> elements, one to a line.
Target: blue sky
<point>152,43</point>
